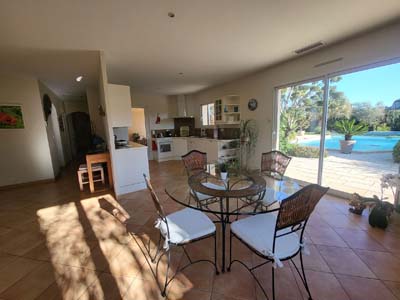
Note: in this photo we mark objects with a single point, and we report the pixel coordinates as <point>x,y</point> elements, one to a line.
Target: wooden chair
<point>277,237</point>
<point>180,229</point>
<point>83,174</point>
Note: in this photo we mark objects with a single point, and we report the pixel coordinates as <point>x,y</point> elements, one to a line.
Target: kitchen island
<point>131,162</point>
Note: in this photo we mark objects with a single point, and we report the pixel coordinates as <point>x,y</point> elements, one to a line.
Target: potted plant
<point>223,169</point>
<point>349,128</point>
<point>248,141</point>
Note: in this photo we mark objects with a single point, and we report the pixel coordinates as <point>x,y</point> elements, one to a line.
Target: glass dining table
<point>243,193</point>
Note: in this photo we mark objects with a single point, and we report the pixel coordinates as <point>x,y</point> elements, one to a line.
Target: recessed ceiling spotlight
<point>171,15</point>
<point>79,78</point>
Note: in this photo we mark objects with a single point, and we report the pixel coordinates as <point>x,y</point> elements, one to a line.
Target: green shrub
<point>396,152</point>
<point>382,127</point>
<point>317,130</point>
<point>304,151</point>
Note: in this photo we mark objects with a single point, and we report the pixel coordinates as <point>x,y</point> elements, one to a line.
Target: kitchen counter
<point>194,137</point>
<point>131,145</point>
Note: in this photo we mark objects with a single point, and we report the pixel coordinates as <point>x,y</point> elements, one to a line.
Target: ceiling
<point>209,41</point>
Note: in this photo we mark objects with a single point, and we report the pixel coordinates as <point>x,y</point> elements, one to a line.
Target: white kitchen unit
<point>130,163</point>
<point>119,112</point>
<point>216,150</point>
<point>179,146</point>
<point>164,149</point>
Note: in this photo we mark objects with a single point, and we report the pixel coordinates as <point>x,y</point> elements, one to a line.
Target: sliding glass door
<point>341,130</point>
<point>300,127</point>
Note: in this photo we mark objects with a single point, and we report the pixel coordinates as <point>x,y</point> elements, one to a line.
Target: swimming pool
<point>363,144</point>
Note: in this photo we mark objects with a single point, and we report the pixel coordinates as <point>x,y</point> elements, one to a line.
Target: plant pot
<point>346,146</point>
<point>357,210</point>
<point>224,175</point>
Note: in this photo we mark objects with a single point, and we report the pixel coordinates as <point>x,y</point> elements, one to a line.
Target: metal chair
<point>274,236</point>
<point>180,229</point>
<point>274,164</point>
<point>195,162</point>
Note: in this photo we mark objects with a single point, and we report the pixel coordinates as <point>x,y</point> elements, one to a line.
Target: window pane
<point>211,114</point>
<point>204,115</point>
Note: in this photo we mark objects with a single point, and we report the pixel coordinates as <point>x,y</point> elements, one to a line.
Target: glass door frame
<point>325,78</point>
<point>276,118</point>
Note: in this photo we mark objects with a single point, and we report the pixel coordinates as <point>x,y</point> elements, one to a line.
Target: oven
<point>164,148</point>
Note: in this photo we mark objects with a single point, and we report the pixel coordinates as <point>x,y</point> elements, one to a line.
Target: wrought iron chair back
<point>295,210</point>
<point>156,202</point>
<point>165,251</point>
<point>195,161</point>
<point>292,217</point>
<point>274,162</point>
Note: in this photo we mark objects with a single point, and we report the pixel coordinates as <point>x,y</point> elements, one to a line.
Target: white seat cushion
<point>258,232</point>
<point>272,195</point>
<point>210,185</point>
<point>186,225</point>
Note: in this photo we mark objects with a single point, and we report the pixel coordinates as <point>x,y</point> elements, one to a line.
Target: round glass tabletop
<point>239,194</point>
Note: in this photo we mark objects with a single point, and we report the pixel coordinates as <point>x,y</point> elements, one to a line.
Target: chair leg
<point>273,283</point>
<point>102,175</point>
<point>304,277</point>
<point>80,181</point>
<point>215,254</point>
<point>164,290</point>
<point>230,252</point>
<point>153,259</point>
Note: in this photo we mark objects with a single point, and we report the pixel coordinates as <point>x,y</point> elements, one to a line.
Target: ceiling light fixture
<point>79,78</point>
<point>171,15</point>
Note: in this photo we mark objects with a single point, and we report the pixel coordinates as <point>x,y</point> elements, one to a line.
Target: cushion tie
<point>304,247</point>
<point>277,262</point>
<point>157,225</point>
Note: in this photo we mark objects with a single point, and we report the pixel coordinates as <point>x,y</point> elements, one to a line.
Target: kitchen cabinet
<point>227,110</point>
<point>211,150</point>
<point>180,147</point>
<point>217,150</point>
<point>119,111</point>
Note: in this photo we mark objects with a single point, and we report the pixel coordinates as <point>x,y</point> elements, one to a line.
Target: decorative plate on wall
<point>252,105</point>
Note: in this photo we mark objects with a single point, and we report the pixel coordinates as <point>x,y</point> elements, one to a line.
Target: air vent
<point>328,62</point>
<point>309,48</point>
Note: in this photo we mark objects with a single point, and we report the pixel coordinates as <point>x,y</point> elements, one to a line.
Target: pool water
<point>363,144</point>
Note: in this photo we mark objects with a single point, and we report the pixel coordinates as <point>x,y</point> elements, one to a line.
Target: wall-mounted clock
<point>252,105</point>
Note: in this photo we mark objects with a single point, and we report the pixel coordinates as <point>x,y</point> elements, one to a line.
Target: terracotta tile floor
<point>58,243</point>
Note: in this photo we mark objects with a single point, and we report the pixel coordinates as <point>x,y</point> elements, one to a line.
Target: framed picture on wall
<point>11,116</point>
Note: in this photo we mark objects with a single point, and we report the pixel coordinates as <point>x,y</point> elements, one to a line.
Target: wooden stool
<point>83,176</point>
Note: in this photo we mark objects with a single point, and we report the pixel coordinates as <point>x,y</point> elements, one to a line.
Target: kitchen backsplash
<point>223,133</point>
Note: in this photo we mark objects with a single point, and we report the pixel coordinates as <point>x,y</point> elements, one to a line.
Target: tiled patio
<point>56,243</point>
<point>351,173</point>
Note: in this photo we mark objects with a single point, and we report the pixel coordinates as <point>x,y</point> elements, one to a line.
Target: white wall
<point>58,140</point>
<point>138,122</point>
<point>24,153</point>
<point>374,47</point>
<point>154,104</point>
<point>93,102</point>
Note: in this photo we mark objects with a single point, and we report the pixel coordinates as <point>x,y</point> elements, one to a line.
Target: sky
<point>373,85</point>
